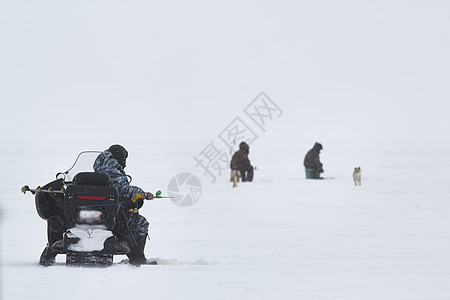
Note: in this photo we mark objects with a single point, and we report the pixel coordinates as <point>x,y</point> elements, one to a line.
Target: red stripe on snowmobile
<point>91,198</point>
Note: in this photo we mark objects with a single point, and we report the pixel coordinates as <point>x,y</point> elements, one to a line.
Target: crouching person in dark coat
<point>313,166</point>
<point>112,163</point>
<point>241,163</point>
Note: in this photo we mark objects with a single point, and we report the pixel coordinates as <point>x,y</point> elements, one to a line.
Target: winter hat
<point>119,153</point>
<point>243,146</point>
<point>318,146</point>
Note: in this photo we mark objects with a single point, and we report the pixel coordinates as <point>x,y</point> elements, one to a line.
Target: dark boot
<point>47,257</point>
<point>243,175</point>
<point>317,174</point>
<point>250,174</point>
<point>136,255</point>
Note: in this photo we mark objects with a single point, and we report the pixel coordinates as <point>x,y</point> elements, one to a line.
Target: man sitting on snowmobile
<point>241,163</point>
<point>313,166</point>
<point>112,163</point>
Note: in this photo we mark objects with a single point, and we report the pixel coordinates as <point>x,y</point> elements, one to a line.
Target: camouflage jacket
<point>106,163</point>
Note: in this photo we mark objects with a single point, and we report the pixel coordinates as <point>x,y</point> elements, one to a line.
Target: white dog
<point>357,176</point>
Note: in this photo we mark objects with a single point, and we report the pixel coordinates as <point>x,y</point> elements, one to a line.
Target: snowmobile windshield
<point>83,163</point>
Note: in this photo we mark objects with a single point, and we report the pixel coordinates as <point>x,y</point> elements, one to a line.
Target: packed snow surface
<point>280,237</point>
<point>91,237</point>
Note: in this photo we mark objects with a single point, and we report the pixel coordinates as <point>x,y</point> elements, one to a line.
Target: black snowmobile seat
<point>91,178</point>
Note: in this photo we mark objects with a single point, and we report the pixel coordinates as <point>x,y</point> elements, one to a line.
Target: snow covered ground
<point>281,237</point>
<point>367,80</point>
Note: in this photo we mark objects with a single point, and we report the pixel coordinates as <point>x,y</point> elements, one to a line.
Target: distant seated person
<point>313,166</point>
<point>240,163</point>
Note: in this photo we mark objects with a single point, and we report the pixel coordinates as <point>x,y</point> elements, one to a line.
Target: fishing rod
<point>26,189</point>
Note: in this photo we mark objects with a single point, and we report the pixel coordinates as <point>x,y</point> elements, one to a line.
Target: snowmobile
<point>83,214</point>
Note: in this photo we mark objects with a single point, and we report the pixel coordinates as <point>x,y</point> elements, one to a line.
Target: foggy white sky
<point>96,72</point>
